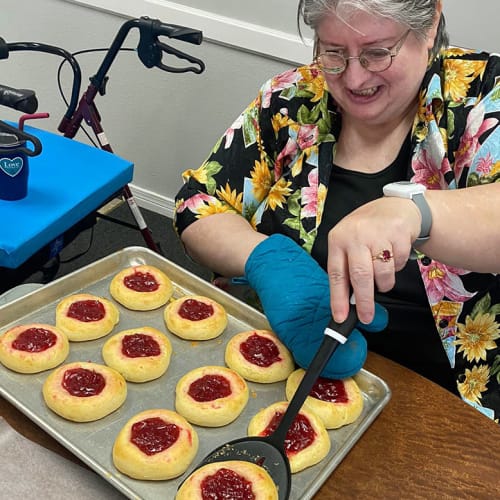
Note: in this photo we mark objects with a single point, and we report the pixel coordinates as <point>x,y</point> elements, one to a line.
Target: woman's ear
<point>431,36</point>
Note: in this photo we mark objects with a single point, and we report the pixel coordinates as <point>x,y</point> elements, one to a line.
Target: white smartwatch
<point>414,192</point>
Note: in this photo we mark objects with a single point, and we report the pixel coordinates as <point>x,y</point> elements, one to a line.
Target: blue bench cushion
<point>67,181</point>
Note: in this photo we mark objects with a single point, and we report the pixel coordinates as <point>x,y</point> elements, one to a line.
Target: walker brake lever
<point>181,55</point>
<point>150,49</point>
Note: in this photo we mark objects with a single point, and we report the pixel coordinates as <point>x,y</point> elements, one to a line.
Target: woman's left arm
<point>465,229</point>
<point>465,233</point>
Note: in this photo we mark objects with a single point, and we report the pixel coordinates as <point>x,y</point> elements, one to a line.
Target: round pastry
<point>211,396</point>
<point>86,317</point>
<point>155,445</point>
<point>307,441</point>
<point>141,288</point>
<point>83,391</point>
<point>228,479</point>
<point>33,348</point>
<point>336,402</point>
<point>259,356</point>
<point>195,317</point>
<point>139,354</point>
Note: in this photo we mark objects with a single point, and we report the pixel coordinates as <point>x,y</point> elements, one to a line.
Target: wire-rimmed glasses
<point>374,59</point>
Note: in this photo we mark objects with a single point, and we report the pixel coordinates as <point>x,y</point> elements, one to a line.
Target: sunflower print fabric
<point>273,165</point>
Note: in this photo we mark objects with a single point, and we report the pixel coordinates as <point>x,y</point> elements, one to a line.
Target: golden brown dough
<point>83,391</point>
<point>253,480</point>
<point>336,402</point>
<point>86,317</point>
<point>141,288</point>
<point>139,354</point>
<point>259,356</point>
<point>33,348</point>
<point>155,445</point>
<point>211,396</point>
<point>307,441</point>
<point>195,317</point>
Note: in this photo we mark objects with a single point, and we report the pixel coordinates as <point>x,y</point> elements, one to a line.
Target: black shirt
<point>411,338</point>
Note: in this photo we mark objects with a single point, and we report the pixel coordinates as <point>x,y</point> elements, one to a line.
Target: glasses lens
<point>375,59</point>
<point>331,62</point>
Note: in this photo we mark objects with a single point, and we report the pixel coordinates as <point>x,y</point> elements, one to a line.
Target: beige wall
<point>163,122</point>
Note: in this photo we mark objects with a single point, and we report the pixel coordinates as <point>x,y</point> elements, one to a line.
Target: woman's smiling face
<point>374,98</point>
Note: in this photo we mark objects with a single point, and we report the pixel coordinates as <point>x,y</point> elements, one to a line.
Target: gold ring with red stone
<point>384,256</point>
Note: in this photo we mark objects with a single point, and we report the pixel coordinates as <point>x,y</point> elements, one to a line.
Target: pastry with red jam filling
<point>141,288</point>
<point>259,356</point>
<point>155,445</point>
<point>195,317</point>
<point>336,402</point>
<point>84,391</point>
<point>86,317</point>
<point>139,354</point>
<point>229,479</point>
<point>307,441</point>
<point>33,348</point>
<point>211,396</point>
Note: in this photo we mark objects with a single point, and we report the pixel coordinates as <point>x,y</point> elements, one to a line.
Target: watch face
<point>403,189</point>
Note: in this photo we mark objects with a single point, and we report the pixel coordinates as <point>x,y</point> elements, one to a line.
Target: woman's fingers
<point>383,268</point>
<point>340,284</point>
<point>365,250</point>
<point>351,272</point>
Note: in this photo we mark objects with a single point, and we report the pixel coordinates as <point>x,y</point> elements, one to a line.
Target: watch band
<point>425,212</point>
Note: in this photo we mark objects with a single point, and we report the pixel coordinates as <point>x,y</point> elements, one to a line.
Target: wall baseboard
<point>275,44</point>
<point>153,201</point>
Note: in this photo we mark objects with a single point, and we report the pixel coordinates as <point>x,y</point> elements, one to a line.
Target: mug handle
<point>37,145</point>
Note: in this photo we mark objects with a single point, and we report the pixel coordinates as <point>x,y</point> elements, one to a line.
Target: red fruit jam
<point>260,351</point>
<point>139,345</point>
<point>209,387</point>
<point>330,391</point>
<point>194,310</point>
<point>299,436</point>
<point>226,484</point>
<point>34,340</point>
<point>83,383</point>
<point>141,282</point>
<point>86,310</point>
<point>153,435</point>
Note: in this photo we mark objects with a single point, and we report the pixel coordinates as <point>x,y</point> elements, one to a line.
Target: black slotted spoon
<point>269,451</point>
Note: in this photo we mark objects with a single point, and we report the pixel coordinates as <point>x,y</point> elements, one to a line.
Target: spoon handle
<point>318,363</point>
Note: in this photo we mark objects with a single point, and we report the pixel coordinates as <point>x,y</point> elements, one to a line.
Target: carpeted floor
<point>110,233</point>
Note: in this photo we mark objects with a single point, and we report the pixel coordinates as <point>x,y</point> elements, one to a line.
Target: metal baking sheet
<point>92,442</point>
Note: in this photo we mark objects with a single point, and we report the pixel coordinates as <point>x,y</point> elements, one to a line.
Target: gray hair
<point>417,15</point>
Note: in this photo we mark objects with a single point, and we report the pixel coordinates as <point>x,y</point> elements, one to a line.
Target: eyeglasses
<point>372,59</point>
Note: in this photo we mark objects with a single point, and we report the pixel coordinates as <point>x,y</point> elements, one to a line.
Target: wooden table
<point>426,444</point>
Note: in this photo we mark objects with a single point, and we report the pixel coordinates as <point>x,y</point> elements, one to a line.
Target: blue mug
<point>14,167</point>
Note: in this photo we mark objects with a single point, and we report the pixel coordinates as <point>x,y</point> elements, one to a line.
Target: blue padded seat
<point>67,181</point>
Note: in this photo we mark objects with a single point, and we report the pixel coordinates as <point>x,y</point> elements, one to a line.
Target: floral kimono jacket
<point>273,165</point>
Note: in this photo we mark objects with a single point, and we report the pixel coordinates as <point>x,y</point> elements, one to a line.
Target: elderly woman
<point>375,170</point>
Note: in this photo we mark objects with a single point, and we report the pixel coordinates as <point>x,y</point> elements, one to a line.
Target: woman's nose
<point>355,74</point>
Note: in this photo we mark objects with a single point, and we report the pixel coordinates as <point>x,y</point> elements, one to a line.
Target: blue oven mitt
<point>295,295</point>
